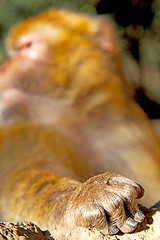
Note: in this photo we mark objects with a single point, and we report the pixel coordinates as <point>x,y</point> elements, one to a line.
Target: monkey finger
<point>124,217</point>
<point>139,216</point>
<point>126,226</point>
<point>134,212</point>
<point>113,229</point>
<point>125,187</point>
<point>129,225</point>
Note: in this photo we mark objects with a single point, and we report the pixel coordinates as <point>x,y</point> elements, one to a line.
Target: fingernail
<point>114,229</point>
<point>139,216</point>
<point>132,223</point>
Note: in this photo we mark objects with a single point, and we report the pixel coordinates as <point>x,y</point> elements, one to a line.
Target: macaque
<point>68,121</point>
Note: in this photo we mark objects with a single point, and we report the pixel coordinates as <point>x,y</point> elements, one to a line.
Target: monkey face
<point>57,59</point>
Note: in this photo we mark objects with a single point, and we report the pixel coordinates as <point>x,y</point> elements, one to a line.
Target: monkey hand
<point>106,203</point>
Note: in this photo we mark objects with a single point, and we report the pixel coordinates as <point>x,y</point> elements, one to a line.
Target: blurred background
<point>138,24</point>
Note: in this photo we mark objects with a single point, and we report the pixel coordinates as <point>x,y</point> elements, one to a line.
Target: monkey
<point>70,129</point>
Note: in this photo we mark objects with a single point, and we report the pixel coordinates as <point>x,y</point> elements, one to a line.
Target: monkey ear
<point>106,37</point>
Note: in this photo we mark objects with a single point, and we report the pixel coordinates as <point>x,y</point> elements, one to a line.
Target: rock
<point>149,229</point>
<point>22,231</point>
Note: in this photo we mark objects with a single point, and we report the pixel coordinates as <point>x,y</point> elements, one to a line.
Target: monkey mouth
<point>12,97</point>
<point>14,105</point>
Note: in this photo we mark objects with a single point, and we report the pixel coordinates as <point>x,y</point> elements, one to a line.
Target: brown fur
<point>68,114</point>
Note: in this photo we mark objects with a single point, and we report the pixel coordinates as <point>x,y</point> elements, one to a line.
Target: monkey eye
<point>25,45</point>
<point>20,47</point>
